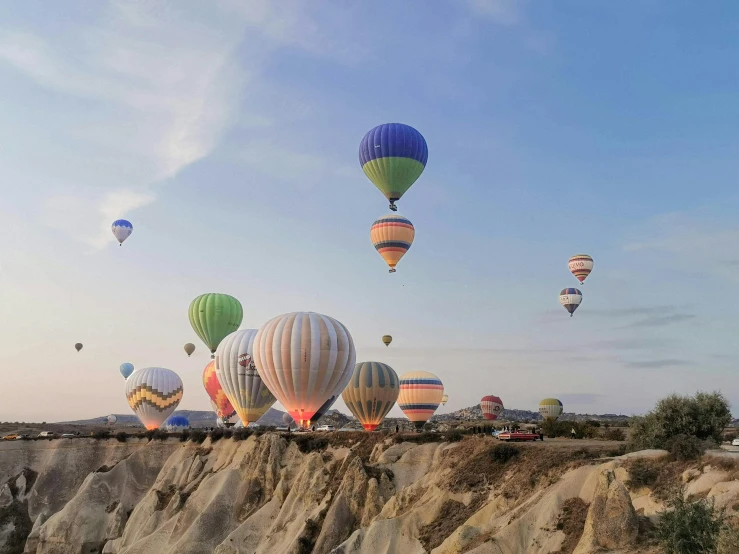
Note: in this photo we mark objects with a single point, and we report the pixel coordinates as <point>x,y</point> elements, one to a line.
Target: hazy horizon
<point>228,133</point>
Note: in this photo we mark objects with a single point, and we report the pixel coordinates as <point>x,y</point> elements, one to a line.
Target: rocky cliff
<point>349,493</point>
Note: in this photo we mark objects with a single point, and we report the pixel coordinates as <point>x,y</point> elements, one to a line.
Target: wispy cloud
<point>660,321</point>
<point>580,398</point>
<point>632,343</point>
<point>657,364</point>
<point>503,12</point>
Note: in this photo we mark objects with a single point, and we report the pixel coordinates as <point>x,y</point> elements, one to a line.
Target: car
<point>23,437</point>
<point>326,428</point>
<point>11,437</point>
<point>46,434</point>
<point>735,442</point>
<point>282,429</point>
<point>68,435</point>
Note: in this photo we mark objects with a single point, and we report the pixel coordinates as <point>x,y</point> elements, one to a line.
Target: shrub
<point>614,434</point>
<point>453,436</point>
<point>685,447</point>
<point>502,453</point>
<point>702,416</point>
<point>418,438</point>
<point>216,435</point>
<point>642,473</point>
<point>228,433</point>
<point>101,434</point>
<point>197,436</point>
<point>121,436</point>
<point>184,435</point>
<point>308,444</point>
<point>689,527</point>
<point>241,434</point>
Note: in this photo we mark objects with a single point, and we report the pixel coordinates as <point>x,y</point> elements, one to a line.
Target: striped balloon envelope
<point>238,376</point>
<point>153,394</point>
<point>420,396</point>
<point>580,265</point>
<point>492,406</point>
<point>227,419</point>
<point>570,299</point>
<point>393,156</point>
<point>218,398</point>
<point>305,359</point>
<point>371,393</point>
<point>392,236</point>
<point>550,408</point>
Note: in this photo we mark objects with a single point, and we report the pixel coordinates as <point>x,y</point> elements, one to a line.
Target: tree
<point>680,419</point>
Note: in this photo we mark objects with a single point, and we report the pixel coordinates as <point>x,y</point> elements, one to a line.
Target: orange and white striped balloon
<point>392,236</point>
<point>580,265</point>
<point>304,358</point>
<point>420,395</point>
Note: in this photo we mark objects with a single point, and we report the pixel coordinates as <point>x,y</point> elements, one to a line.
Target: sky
<point>227,132</point>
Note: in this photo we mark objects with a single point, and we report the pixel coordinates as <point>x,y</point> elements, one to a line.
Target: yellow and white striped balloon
<point>371,393</point>
<point>153,394</point>
<point>305,358</point>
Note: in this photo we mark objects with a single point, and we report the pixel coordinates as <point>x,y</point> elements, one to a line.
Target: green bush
<point>184,435</point>
<point>216,435</point>
<point>685,447</point>
<point>702,416</point>
<point>198,436</point>
<point>101,434</point>
<point>689,527</point>
<point>502,453</point>
<point>241,434</point>
<point>121,436</point>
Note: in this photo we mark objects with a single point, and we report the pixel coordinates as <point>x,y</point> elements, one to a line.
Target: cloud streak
<point>657,364</point>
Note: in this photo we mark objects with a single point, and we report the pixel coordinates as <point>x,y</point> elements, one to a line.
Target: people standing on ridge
<point>397,428</point>
<point>573,433</point>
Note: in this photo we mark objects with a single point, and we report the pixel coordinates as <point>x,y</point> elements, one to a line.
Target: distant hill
<point>199,418</point>
<point>475,412</point>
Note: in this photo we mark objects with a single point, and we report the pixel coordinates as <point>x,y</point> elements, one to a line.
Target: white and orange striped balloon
<point>304,358</point>
<point>420,394</point>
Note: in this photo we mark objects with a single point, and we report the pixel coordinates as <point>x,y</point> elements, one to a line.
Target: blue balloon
<point>122,229</point>
<point>177,422</point>
<point>126,370</point>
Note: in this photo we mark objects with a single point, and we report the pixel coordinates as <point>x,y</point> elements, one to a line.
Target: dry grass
<point>572,523</point>
<point>663,475</point>
<point>452,515</point>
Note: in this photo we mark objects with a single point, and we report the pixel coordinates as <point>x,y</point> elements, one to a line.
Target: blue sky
<point>228,131</point>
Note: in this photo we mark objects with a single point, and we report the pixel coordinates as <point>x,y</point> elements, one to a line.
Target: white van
<point>46,434</point>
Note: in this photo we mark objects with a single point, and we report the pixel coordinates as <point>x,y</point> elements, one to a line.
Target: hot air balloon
<point>305,359</point>
<point>153,394</point>
<point>111,419</point>
<point>393,156</point>
<point>392,236</point>
<point>492,406</point>
<point>189,349</point>
<point>550,408</point>
<point>581,265</point>
<point>245,389</point>
<point>177,423</point>
<point>420,395</point>
<point>78,346</point>
<point>570,299</point>
<point>387,339</point>
<point>226,419</point>
<point>223,407</point>
<point>444,399</point>
<point>126,369</point>
<point>287,419</point>
<point>213,316</point>
<point>122,229</point>
<point>371,393</point>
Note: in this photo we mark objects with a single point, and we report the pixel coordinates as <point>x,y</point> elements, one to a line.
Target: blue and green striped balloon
<point>393,156</point>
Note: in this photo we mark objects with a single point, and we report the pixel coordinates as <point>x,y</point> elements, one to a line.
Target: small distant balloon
<point>387,339</point>
<point>444,399</point>
<point>570,299</point>
<point>122,229</point>
<point>78,346</point>
<point>580,265</point>
<point>189,349</point>
<point>287,419</point>
<point>392,235</point>
<point>126,369</point>
<point>492,406</point>
<point>550,408</point>
<point>111,419</point>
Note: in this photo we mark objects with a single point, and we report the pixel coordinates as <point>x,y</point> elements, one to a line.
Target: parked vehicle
<point>735,442</point>
<point>46,435</point>
<point>326,428</point>
<point>516,436</point>
<point>11,437</point>
<point>68,435</point>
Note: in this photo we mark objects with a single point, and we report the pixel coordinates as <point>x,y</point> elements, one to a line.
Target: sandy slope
<point>364,494</point>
